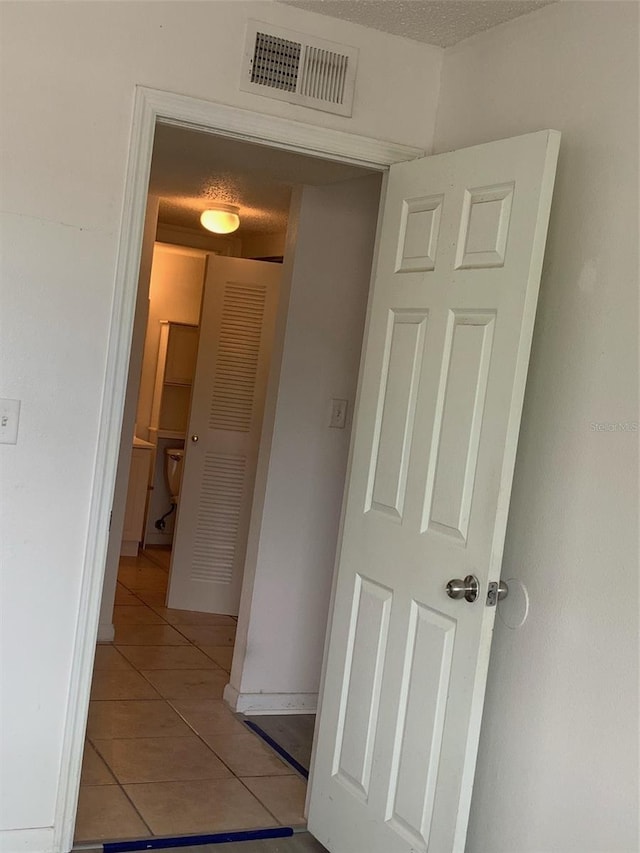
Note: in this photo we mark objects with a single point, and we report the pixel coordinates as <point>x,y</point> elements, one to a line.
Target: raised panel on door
<point>458,422</point>
<point>236,331</point>
<point>361,686</point>
<point>394,417</point>
<point>420,722</point>
<point>433,450</point>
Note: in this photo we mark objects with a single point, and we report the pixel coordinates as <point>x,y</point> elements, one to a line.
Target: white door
<point>236,333</point>
<point>440,399</point>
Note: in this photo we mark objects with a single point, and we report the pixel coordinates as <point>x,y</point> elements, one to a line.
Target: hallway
<point>164,755</point>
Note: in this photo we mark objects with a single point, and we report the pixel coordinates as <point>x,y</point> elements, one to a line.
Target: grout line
<point>137,811</point>
<point>144,737</point>
<point>255,796</point>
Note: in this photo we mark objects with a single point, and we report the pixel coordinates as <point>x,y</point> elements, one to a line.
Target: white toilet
<point>173,462</point>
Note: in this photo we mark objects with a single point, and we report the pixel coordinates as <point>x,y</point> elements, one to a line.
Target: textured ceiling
<point>439,22</point>
<point>191,168</point>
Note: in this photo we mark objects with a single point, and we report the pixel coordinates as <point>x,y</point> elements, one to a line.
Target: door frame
<point>152,106</point>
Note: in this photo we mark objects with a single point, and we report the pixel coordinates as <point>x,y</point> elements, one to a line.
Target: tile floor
<point>164,755</point>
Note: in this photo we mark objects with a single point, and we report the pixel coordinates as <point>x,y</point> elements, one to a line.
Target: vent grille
<point>276,62</point>
<point>216,535</point>
<point>238,354</point>
<point>299,69</point>
<point>324,75</point>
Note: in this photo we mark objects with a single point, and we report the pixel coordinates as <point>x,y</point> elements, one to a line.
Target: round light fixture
<point>221,219</point>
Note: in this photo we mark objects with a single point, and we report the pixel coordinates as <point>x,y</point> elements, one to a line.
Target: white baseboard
<point>158,539</point>
<point>38,840</point>
<point>254,704</point>
<point>106,632</point>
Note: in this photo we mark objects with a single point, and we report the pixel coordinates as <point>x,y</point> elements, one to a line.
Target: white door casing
<point>150,107</point>
<point>441,388</point>
<point>236,333</point>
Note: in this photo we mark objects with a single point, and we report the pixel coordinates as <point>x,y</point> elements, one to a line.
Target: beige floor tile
<point>121,684</point>
<point>108,657</point>
<point>134,718</point>
<point>246,755</point>
<point>124,597</point>
<point>167,657</point>
<point>144,584</point>
<point>148,635</point>
<point>208,716</point>
<point>144,560</point>
<point>194,617</point>
<point>222,655</point>
<point>202,806</point>
<point>138,614</point>
<point>142,577</point>
<point>188,683</point>
<point>94,770</point>
<point>284,796</point>
<point>104,812</point>
<point>154,598</point>
<point>210,635</point>
<point>164,759</point>
<point>160,556</point>
<point>129,561</point>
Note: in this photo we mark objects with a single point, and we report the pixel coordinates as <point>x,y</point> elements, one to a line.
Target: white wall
<point>558,762</point>
<point>205,240</point>
<point>263,245</point>
<point>293,536</point>
<point>67,78</point>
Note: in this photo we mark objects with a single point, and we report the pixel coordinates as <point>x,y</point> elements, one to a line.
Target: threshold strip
<point>279,749</point>
<point>194,840</point>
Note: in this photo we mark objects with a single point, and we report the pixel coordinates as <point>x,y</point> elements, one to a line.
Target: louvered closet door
<point>236,333</point>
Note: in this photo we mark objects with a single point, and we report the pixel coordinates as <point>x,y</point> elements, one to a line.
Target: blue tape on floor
<point>193,840</point>
<point>280,750</point>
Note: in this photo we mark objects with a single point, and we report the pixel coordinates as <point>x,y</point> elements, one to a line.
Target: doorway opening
<point>159,731</point>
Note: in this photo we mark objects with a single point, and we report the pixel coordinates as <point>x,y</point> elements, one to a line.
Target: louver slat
<point>237,358</point>
<point>218,518</point>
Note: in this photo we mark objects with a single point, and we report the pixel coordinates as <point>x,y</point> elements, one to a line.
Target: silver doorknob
<point>194,438</point>
<point>467,588</point>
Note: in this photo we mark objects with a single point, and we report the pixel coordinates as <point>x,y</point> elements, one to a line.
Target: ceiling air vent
<point>299,69</point>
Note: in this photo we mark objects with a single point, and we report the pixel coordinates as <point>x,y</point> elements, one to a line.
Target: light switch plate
<point>338,418</point>
<point>9,417</point>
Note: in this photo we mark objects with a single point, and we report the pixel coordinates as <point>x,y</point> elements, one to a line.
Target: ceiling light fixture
<point>221,219</point>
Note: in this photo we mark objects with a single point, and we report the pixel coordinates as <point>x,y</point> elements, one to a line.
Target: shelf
<point>171,433</point>
<point>174,379</point>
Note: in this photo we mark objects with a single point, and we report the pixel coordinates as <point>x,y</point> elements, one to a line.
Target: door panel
<point>396,409</point>
<point>361,692</point>
<point>414,767</point>
<point>236,332</point>
<point>450,323</point>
